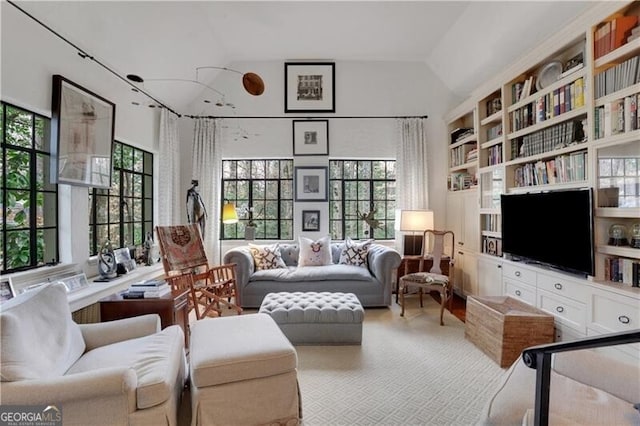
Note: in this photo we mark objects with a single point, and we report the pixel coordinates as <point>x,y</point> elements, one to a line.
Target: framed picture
<point>311,183</point>
<point>123,257</point>
<point>310,137</point>
<point>309,87</point>
<point>82,129</point>
<point>6,290</point>
<point>310,220</point>
<point>74,282</point>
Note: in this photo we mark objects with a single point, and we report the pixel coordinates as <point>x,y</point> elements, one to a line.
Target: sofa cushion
<point>39,338</point>
<point>318,273</point>
<point>355,253</point>
<point>315,253</point>
<point>266,257</point>
<point>156,359</point>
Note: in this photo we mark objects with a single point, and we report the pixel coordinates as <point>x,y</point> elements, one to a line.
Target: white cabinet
<point>462,219</point>
<point>466,275</point>
<point>489,276</point>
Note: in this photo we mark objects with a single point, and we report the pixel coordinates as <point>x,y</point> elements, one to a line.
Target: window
<point>622,173</point>
<point>362,199</point>
<point>267,187</point>
<point>28,199</point>
<point>124,213</point>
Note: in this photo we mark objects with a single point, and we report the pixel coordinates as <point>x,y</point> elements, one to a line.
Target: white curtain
<point>169,200</point>
<point>411,165</point>
<point>205,162</point>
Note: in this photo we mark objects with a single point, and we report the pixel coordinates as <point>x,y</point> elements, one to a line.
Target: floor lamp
<point>415,221</point>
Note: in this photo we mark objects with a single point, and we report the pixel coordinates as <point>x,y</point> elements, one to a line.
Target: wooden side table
<point>411,263</point>
<point>173,309</point>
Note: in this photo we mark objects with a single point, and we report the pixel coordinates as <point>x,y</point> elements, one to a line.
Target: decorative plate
<point>548,74</point>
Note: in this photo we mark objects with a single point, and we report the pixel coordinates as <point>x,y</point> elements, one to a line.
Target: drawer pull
<point>461,243</point>
<point>560,309</point>
<point>558,286</point>
<point>518,293</point>
<point>517,273</point>
<point>624,319</point>
<point>499,266</point>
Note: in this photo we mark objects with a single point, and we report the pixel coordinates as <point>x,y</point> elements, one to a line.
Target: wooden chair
<point>186,266</point>
<point>436,270</point>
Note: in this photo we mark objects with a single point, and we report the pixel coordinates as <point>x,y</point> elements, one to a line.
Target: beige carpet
<point>408,371</point>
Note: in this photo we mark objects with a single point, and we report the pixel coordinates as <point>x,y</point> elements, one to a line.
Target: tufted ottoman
<point>316,318</point>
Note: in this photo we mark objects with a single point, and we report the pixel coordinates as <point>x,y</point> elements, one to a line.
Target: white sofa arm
<point>105,333</point>
<point>80,396</point>
<point>383,261</point>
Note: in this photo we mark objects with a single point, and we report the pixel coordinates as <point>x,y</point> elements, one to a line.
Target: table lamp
<point>229,213</point>
<point>415,221</point>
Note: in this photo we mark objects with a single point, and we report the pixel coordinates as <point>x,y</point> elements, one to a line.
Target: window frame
<point>362,229</point>
<point>48,187</point>
<point>145,199</point>
<point>243,203</point>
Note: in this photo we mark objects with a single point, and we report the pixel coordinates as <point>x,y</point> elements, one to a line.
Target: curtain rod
<point>275,117</point>
<point>83,54</point>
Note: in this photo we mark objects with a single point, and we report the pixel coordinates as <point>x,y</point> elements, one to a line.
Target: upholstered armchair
<point>120,372</point>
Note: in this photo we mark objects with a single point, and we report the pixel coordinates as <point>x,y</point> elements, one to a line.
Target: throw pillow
<point>355,253</point>
<point>315,253</point>
<point>266,257</point>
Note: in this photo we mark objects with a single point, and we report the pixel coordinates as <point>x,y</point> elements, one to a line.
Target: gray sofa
<point>371,285</point>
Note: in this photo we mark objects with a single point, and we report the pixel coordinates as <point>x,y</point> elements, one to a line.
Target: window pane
<point>18,249</point>
<point>138,161</point>
<point>350,170</point>
<point>127,157</point>
<point>630,167</point>
<point>604,167</point>
<point>286,169</point>
<point>102,235</point>
<point>43,173</point>
<point>117,155</point>
<point>243,170</point>
<point>101,203</point>
<point>42,137</point>
<point>148,163</point>
<point>18,209</point>
<point>618,167</point>
<point>286,209</point>
<point>379,170</point>
<point>114,209</point>
<point>273,169</point>
<point>258,190</point>
<point>364,170</point>
<point>19,127</point>
<point>137,186</point>
<point>148,209</point>
<point>272,190</point>
<point>18,168</point>
<point>286,189</point>
<point>47,209</point>
<point>258,169</point>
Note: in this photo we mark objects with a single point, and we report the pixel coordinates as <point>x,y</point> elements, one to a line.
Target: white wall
<point>31,55</point>
<point>362,89</point>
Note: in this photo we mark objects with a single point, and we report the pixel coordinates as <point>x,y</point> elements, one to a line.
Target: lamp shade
<point>229,213</point>
<point>416,220</point>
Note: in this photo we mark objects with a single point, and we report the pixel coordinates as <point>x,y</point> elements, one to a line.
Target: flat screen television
<point>552,228</point>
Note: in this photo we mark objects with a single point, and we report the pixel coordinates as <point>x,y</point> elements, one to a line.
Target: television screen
<point>553,228</point>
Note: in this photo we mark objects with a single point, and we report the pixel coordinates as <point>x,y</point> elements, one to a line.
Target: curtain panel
<point>411,165</point>
<point>205,164</point>
<point>168,195</point>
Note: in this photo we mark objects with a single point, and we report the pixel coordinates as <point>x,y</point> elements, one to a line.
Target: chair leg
<point>401,294</point>
<point>443,301</point>
<point>420,291</point>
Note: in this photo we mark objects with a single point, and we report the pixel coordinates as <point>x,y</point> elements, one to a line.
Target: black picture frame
<point>310,137</point>
<point>309,87</point>
<point>311,183</point>
<point>82,134</point>
<point>311,220</point>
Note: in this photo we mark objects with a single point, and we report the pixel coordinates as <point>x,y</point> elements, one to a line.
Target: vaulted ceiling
<point>463,42</point>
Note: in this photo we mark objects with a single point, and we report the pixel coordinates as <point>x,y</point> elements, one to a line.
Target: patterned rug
<point>408,371</point>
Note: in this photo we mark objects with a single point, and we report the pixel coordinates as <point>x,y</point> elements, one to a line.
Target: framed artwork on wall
<point>310,137</point>
<point>82,129</point>
<point>309,87</point>
<point>311,220</point>
<point>310,183</point>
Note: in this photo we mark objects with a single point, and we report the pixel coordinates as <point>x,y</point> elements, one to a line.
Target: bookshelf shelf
<point>492,142</point>
<point>548,123</point>
<point>621,54</point>
<point>628,91</point>
<point>555,186</point>
<point>617,212</point>
<point>494,118</point>
<point>546,155</point>
<point>629,252</point>
<point>558,84</point>
<point>468,139</point>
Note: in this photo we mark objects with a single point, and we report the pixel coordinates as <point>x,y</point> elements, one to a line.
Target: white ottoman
<point>316,318</point>
<point>243,371</point>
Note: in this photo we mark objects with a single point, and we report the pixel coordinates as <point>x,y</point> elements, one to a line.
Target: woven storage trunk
<point>502,327</point>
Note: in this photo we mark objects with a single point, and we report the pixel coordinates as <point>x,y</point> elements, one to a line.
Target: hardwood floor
<point>458,308</point>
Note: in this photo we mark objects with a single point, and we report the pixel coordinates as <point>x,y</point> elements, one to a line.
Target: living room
<point>373,89</point>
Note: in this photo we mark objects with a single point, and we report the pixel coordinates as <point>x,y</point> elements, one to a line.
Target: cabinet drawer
<point>570,289</point>
<point>615,312</point>
<point>571,313</point>
<point>520,291</point>
<point>521,274</point>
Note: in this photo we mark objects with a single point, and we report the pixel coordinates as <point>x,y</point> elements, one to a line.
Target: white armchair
<point>119,372</point>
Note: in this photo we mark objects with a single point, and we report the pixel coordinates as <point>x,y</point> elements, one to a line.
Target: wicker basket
<point>502,327</point>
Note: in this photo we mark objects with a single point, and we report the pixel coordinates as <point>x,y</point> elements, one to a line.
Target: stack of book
<point>149,289</point>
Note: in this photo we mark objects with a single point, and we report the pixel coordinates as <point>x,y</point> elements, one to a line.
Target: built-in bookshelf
<point>463,152</point>
<point>564,116</point>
